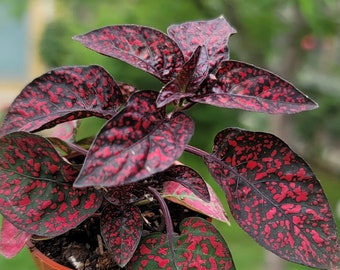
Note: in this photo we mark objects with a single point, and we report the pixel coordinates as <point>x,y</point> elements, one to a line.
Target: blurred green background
<point>297,39</point>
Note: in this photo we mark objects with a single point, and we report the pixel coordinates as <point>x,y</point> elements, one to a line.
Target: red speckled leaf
<point>63,94</point>
<point>275,197</point>
<point>192,74</point>
<point>244,86</point>
<point>199,246</point>
<point>178,193</point>
<point>188,178</point>
<point>171,92</point>
<point>121,229</point>
<point>194,71</point>
<point>120,195</point>
<point>143,47</point>
<point>135,144</point>
<point>12,240</point>
<point>48,205</point>
<point>213,34</point>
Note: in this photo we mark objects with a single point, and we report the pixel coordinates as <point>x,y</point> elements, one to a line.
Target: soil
<point>83,248</point>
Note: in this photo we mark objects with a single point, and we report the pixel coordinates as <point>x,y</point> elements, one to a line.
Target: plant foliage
<point>50,185</point>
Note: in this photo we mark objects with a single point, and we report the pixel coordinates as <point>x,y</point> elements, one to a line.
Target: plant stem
<point>165,210</point>
<point>196,151</point>
<point>168,223</point>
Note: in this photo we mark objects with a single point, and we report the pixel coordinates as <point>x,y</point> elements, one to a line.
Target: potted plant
<point>123,194</point>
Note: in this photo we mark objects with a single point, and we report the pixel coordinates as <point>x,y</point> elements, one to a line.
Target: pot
<point>42,261</point>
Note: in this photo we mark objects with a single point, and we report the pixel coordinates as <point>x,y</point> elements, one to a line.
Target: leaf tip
<point>76,38</point>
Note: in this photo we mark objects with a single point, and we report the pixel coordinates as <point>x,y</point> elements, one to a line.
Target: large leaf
<point>63,94</point>
<point>213,34</point>
<point>275,197</point>
<point>121,229</point>
<point>199,246</point>
<point>36,193</point>
<point>177,193</point>
<point>12,240</point>
<point>189,78</point>
<point>244,86</point>
<point>135,144</point>
<point>143,47</point>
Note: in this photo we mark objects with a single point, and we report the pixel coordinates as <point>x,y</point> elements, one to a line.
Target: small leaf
<point>171,92</point>
<point>187,177</point>
<point>177,193</point>
<point>213,34</point>
<point>127,90</point>
<point>135,144</point>
<point>243,86</point>
<point>63,94</point>
<point>199,246</point>
<point>143,47</point>
<point>189,78</point>
<point>67,149</point>
<point>36,193</point>
<point>120,195</point>
<point>121,229</point>
<point>194,71</point>
<point>66,131</point>
<point>12,240</point>
<point>275,197</point>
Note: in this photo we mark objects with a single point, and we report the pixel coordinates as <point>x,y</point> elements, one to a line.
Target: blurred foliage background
<point>297,39</point>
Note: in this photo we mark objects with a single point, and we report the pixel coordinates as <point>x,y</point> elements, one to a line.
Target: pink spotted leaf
<point>121,229</point>
<point>63,94</point>
<point>66,131</point>
<point>12,240</point>
<point>177,193</point>
<point>275,197</point>
<point>135,144</point>
<point>143,47</point>
<point>36,192</point>
<point>187,81</point>
<point>121,195</point>
<point>187,177</point>
<point>204,248</point>
<point>244,86</point>
<point>213,34</point>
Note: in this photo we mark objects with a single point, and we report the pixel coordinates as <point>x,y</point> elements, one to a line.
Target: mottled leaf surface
<point>12,240</point>
<point>63,94</point>
<point>187,177</point>
<point>143,47</point>
<point>136,143</point>
<point>121,195</point>
<point>199,246</point>
<point>36,192</point>
<point>244,86</point>
<point>275,197</point>
<point>177,193</point>
<point>121,229</point>
<point>213,34</point>
<point>189,78</point>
